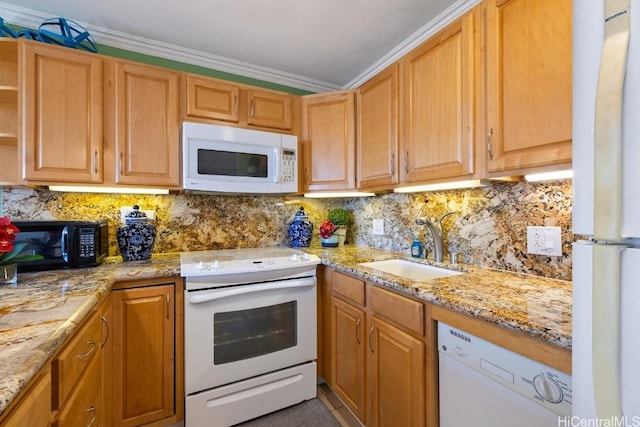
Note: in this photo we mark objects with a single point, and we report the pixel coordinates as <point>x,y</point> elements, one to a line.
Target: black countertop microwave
<point>63,244</point>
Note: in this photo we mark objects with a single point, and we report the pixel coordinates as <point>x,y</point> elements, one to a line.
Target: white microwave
<point>223,159</point>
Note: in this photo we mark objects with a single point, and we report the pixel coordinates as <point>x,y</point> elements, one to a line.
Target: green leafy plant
<point>339,216</point>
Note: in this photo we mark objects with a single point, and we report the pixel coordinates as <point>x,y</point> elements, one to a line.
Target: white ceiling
<point>311,45</point>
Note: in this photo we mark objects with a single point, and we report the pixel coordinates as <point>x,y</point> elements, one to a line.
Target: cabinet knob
<point>92,413</point>
<point>95,161</point>
<point>371,339</point>
<point>489,138</point>
<point>106,325</point>
<point>89,352</point>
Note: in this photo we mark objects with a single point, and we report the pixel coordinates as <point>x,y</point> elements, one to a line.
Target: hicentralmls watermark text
<point>623,421</point>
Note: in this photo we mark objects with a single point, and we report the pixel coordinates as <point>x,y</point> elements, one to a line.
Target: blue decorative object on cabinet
<point>300,230</point>
<point>137,237</point>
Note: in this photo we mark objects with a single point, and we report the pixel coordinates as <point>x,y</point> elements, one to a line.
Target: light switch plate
<point>378,227</point>
<point>124,210</point>
<point>544,241</point>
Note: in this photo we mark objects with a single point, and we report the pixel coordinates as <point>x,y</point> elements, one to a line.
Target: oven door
<point>243,331</point>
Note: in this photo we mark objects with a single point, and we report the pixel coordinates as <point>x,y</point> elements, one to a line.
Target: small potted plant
<point>327,238</point>
<point>341,218</point>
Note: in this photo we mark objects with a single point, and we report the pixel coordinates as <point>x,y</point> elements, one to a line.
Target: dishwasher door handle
<point>250,289</point>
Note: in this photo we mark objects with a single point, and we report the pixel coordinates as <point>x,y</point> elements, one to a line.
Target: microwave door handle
<point>278,171</point>
<point>243,290</point>
<point>64,241</point>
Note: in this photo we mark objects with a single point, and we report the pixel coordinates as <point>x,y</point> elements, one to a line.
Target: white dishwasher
<point>485,385</point>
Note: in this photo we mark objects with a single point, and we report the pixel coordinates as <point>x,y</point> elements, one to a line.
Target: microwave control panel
<point>87,243</point>
<point>288,165</point>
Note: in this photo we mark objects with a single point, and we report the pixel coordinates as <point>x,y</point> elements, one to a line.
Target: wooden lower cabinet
<point>348,351</point>
<point>146,385</point>
<point>396,383</point>
<point>378,353</point>
<point>34,409</point>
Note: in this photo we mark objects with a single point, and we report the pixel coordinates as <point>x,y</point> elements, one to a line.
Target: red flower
<point>8,233</point>
<point>326,229</point>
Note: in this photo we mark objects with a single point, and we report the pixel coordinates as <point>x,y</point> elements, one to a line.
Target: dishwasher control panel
<point>536,381</point>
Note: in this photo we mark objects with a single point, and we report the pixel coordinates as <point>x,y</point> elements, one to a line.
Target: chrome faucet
<point>436,234</point>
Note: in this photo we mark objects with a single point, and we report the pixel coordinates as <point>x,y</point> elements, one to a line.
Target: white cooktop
<point>239,261</point>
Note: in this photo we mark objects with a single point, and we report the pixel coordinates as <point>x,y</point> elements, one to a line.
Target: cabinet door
<point>212,99</point>
<point>61,114</point>
<point>106,348</point>
<point>269,109</point>
<point>439,100</point>
<point>328,141</point>
<point>348,356</point>
<point>529,68</point>
<point>147,137</point>
<point>143,358</point>
<point>396,376</point>
<point>378,118</point>
<point>34,409</point>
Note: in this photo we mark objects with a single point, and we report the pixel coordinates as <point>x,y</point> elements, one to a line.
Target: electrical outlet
<point>378,227</point>
<point>544,241</point>
<point>124,210</point>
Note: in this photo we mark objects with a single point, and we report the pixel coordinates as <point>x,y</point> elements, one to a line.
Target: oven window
<point>228,163</point>
<point>243,334</point>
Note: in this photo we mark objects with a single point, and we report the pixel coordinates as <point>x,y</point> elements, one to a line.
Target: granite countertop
<point>44,308</point>
<point>523,303</point>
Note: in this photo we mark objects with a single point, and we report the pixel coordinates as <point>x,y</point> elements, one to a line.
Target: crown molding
<point>452,13</point>
<point>32,19</point>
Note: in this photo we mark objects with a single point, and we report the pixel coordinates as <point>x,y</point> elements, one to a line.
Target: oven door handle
<point>242,290</point>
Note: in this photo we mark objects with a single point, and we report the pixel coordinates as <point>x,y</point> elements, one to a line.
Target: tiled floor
<point>339,411</point>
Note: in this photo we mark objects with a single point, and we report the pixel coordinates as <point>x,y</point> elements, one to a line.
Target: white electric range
<point>250,333</point>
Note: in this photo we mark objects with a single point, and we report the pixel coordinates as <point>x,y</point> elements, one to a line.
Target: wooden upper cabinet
<point>328,141</point>
<point>218,100</point>
<point>378,106</point>
<point>529,87</point>
<point>212,99</point>
<point>9,159</point>
<point>144,128</point>
<point>439,105</point>
<point>61,114</point>
<point>269,109</point>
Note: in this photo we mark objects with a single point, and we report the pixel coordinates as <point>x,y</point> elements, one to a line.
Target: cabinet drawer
<point>74,359</point>
<point>348,287</point>
<point>400,310</point>
<point>85,406</point>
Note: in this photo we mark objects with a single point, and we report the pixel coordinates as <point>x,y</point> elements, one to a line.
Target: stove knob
<point>305,257</point>
<point>295,257</point>
<point>215,264</point>
<point>200,266</point>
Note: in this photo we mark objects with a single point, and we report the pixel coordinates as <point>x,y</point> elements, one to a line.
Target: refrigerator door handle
<point>607,384</point>
<point>608,122</point>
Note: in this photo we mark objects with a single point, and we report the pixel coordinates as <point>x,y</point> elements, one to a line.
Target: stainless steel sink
<point>410,270</point>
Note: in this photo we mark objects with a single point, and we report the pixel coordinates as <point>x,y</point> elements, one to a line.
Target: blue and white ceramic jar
<point>136,237</point>
<point>301,230</point>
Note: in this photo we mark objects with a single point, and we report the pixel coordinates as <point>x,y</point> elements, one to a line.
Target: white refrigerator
<point>606,211</point>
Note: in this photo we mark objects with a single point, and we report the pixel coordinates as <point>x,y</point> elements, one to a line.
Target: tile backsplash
<point>488,229</point>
